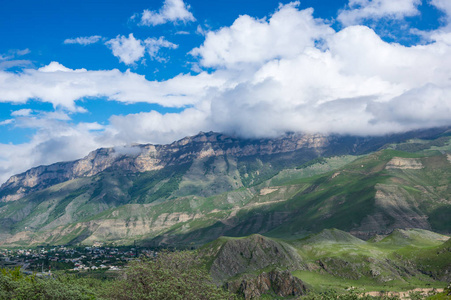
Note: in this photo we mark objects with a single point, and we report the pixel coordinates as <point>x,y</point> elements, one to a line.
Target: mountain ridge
<point>148,157</point>
<point>213,185</point>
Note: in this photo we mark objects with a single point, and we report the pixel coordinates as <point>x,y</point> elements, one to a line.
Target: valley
<point>298,213</point>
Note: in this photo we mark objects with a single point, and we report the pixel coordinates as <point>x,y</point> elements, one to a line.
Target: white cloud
<point>8,64</point>
<point>11,54</point>
<point>443,5</point>
<point>443,33</point>
<point>62,86</point>
<point>9,60</point>
<point>54,141</point>
<point>154,45</point>
<point>354,84</point>
<point>359,10</point>
<point>84,40</point>
<point>22,112</point>
<point>200,30</point>
<point>428,105</point>
<point>22,52</point>
<point>248,41</point>
<point>57,139</point>
<point>57,67</point>
<point>158,128</point>
<point>172,11</point>
<point>128,50</point>
<point>364,53</point>
<point>6,122</point>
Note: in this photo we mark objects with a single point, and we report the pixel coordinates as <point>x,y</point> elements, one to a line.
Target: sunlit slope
<point>335,259</point>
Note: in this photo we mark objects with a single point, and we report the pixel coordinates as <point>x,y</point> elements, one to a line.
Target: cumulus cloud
<point>54,141</point>
<point>443,5</point>
<point>443,33</point>
<point>346,85</point>
<point>22,112</point>
<point>172,11</point>
<point>62,86</point>
<point>128,50</point>
<point>428,105</point>
<point>253,41</point>
<point>156,127</point>
<point>154,45</point>
<point>338,90</point>
<point>84,40</point>
<point>359,10</point>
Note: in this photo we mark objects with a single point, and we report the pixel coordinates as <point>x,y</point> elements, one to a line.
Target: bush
<point>15,285</point>
<point>176,275</point>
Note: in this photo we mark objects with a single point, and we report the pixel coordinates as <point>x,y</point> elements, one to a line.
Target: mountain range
<point>199,188</point>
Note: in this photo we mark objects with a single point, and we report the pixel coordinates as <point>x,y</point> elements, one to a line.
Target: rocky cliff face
<point>141,158</point>
<point>238,256</point>
<point>280,283</point>
<point>234,263</point>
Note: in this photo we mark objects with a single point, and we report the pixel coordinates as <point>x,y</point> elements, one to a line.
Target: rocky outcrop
<point>238,256</point>
<point>404,163</point>
<point>279,283</point>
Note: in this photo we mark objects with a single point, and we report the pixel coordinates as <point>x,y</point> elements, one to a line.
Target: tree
<point>172,275</point>
<point>15,285</point>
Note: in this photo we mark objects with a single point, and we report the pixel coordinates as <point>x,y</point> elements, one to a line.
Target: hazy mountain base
<point>198,201</point>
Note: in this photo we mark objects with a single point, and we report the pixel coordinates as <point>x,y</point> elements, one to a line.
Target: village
<point>96,258</point>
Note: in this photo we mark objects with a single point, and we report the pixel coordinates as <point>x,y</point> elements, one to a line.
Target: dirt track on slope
<point>403,295</point>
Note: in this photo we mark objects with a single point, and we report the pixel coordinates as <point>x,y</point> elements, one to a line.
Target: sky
<point>79,75</point>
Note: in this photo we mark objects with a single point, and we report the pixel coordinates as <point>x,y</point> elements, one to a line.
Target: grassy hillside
<point>334,259</point>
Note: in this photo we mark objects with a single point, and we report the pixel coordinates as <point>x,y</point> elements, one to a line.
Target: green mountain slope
<point>365,197</point>
<point>332,259</point>
<point>215,185</point>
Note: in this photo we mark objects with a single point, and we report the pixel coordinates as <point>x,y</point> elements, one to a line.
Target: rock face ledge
<point>235,262</point>
<point>281,283</point>
<point>404,164</point>
<point>250,254</point>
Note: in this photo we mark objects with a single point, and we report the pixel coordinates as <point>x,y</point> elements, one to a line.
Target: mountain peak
<point>148,157</point>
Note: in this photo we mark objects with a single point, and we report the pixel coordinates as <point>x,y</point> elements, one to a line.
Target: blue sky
<point>78,75</point>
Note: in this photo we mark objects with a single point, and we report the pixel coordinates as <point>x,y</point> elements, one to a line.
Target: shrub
<point>172,275</point>
<point>15,285</point>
